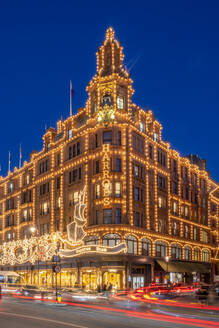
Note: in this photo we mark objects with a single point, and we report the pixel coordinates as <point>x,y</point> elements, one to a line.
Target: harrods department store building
<point>139,192</point>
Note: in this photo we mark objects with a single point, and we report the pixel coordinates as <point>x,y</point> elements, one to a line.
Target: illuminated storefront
<point>109,196</point>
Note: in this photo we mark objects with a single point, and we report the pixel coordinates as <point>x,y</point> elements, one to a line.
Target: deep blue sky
<point>44,44</point>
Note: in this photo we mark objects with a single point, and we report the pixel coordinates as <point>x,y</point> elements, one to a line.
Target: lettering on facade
<point>107,185</point>
<point>93,249</point>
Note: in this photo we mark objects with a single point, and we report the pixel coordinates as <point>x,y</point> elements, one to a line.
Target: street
<point>21,313</point>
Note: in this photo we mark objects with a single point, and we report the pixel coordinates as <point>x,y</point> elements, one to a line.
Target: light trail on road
<point>143,315</point>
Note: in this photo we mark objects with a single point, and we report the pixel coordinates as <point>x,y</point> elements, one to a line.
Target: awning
<point>177,266</point>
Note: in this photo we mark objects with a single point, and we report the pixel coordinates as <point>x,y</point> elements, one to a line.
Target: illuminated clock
<point>107,100</point>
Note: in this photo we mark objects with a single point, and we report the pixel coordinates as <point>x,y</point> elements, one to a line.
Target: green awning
<point>177,266</point>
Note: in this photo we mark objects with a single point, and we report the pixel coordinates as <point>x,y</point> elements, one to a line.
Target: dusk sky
<point>172,48</point>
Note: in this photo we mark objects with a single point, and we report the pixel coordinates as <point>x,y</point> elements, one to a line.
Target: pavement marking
<point>43,319</point>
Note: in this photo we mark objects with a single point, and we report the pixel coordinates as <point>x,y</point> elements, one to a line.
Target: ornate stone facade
<point>139,190</point>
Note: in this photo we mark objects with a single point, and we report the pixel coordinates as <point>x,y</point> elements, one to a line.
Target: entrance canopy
<point>177,266</point>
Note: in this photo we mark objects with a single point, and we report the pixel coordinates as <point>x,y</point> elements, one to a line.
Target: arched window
<point>160,249</point>
<point>111,239</point>
<point>176,252</point>
<point>145,247</point>
<point>187,253</point>
<point>196,254</point>
<point>92,240</point>
<point>205,256</point>
<point>132,244</point>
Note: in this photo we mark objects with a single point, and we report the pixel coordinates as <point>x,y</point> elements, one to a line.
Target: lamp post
<point>167,262</point>
<point>36,232</point>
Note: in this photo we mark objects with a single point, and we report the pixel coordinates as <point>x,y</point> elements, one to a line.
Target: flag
<point>71,96</point>
<point>20,159</point>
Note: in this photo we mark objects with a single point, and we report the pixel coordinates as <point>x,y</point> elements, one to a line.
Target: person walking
<point>104,289</point>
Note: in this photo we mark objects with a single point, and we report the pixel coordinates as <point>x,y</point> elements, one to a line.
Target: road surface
<point>20,313</point>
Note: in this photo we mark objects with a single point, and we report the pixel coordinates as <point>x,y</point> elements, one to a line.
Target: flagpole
<point>70,98</point>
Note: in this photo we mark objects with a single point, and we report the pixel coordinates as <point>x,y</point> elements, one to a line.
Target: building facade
<point>139,191</point>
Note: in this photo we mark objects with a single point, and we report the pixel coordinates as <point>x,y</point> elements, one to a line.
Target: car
<point>202,291</point>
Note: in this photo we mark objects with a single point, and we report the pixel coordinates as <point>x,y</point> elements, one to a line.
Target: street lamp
<point>167,258</point>
<point>35,231</point>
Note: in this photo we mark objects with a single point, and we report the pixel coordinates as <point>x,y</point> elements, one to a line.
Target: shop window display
<point>89,280</point>
<point>113,278</point>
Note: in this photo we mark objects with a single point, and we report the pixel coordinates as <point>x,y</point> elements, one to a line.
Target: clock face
<point>107,100</point>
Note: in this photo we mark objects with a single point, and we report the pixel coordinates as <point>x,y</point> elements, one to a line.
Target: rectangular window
<point>119,138</point>
<point>205,236</point>
<point>120,102</point>
<point>175,207</point>
<point>28,179</point>
<point>136,193</point>
<point>95,106</point>
<point>75,197</point>
<point>107,137</point>
<point>117,189</point>
<point>44,166</point>
<point>161,182</point>
<point>70,152</point>
<point>187,193</point>
<point>186,231</point>
<point>58,183</point>
<point>195,233</point>
<point>137,219</point>
<point>58,159</point>
<point>161,157</point>
<point>96,140</point>
<point>25,215</point>
<point>161,202</point>
<point>118,165</point>
<point>175,188</point>
<point>11,187</point>
<point>136,170</point>
<point>97,168</point>
<point>107,216</point>
<point>97,217</point>
<point>78,148</point>
<point>45,208</point>
<point>141,127</point>
<point>150,151</point>
<point>74,151</point>
<point>118,215</point>
<point>75,172</point>
<point>97,191</point>
<point>155,136</point>
<point>79,173</point>
<point>174,165</point>
<point>69,133</point>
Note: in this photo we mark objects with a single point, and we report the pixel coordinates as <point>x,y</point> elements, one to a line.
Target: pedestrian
<point>211,296</point>
<point>104,289</point>
<point>110,288</point>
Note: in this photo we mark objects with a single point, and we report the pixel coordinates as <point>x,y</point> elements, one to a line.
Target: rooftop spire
<point>110,34</point>
<point>110,56</point>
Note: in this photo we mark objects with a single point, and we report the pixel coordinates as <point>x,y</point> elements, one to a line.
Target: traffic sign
<point>57,268</point>
<point>56,258</point>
